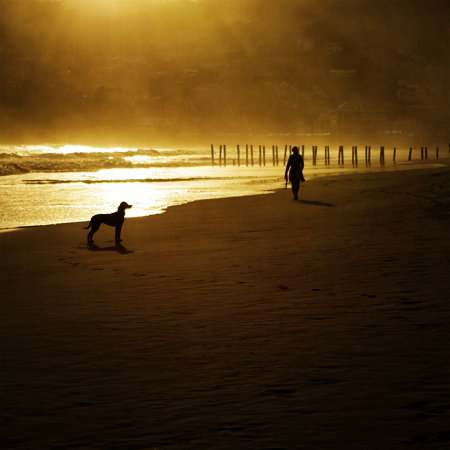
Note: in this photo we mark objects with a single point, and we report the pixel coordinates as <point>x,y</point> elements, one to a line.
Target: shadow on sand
<point>307,202</point>
<point>119,248</point>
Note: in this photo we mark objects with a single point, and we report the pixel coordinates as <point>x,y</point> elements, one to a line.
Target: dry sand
<point>243,323</point>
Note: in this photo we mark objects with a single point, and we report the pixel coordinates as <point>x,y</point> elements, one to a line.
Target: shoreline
<point>321,172</point>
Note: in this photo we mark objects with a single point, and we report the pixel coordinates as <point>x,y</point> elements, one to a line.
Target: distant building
<point>343,73</point>
<point>306,44</point>
<point>356,120</point>
<point>333,47</point>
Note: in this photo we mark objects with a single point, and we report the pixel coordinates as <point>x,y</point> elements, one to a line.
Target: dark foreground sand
<point>243,323</point>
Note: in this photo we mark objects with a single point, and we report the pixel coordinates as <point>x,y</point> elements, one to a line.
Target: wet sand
<point>241,323</point>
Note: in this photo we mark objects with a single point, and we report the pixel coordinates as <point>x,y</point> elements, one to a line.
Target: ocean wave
<point>14,164</point>
<point>28,166</point>
<point>131,180</point>
<point>79,155</point>
<point>77,151</point>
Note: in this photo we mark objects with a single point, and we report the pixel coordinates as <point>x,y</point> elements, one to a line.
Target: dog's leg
<point>118,231</point>
<point>94,229</point>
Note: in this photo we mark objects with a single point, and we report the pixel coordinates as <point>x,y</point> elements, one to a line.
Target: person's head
<point>295,150</point>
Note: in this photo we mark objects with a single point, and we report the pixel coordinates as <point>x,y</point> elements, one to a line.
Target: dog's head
<point>124,205</point>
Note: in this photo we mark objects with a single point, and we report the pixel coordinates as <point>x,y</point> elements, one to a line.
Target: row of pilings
<point>259,158</point>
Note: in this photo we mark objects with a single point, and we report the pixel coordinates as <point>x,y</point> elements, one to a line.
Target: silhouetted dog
<point>113,220</point>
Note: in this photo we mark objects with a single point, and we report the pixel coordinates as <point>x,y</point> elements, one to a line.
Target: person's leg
<point>295,188</point>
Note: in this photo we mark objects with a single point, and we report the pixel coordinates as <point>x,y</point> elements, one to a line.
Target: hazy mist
<point>150,72</point>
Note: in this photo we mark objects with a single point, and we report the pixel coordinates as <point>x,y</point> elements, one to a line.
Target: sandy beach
<point>243,323</point>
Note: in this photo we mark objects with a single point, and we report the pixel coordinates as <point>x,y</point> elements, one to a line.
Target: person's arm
<point>287,168</point>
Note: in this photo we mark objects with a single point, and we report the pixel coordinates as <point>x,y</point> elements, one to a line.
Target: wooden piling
<point>421,152</point>
<point>273,155</point>
<point>259,155</point>
<point>276,150</point>
<point>410,153</point>
<point>437,152</point>
<point>220,157</point>
<point>251,153</point>
<point>212,154</point>
<point>341,155</point>
<point>327,155</point>
<point>239,156</point>
<point>356,155</point>
<point>382,156</point>
<point>246,155</point>
<point>225,156</point>
<point>394,154</point>
<point>264,155</point>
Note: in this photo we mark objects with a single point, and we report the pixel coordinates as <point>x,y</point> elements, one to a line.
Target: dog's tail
<point>87,228</point>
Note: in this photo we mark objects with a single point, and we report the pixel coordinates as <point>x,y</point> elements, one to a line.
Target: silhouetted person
<point>295,164</point>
